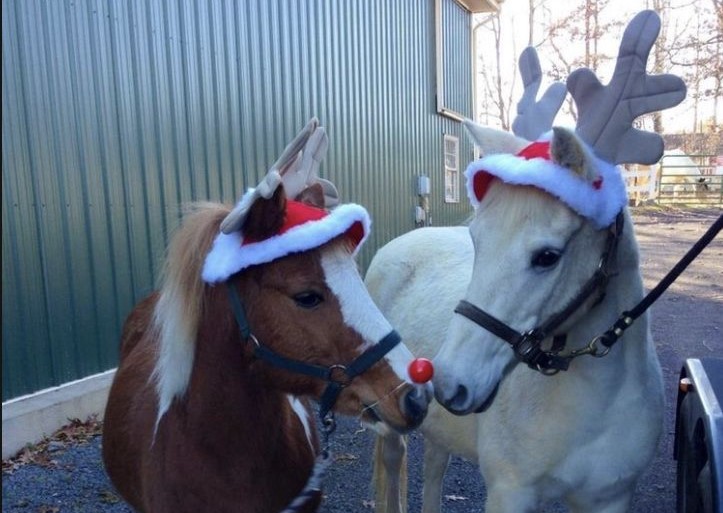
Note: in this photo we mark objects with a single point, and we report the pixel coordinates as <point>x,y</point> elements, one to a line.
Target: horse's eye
<point>308,299</point>
<point>546,258</point>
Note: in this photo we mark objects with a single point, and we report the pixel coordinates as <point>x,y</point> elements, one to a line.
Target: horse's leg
<point>436,460</point>
<point>620,503</point>
<point>502,499</point>
<point>390,474</point>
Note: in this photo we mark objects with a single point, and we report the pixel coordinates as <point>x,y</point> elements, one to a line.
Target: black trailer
<point>699,436</point>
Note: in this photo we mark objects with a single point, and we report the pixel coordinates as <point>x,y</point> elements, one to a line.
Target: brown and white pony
<point>195,422</point>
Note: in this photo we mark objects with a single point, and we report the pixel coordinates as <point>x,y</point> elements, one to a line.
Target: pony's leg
<point>620,503</point>
<point>502,499</point>
<point>390,474</point>
<point>436,460</point>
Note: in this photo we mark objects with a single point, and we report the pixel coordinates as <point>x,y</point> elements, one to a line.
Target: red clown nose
<point>421,370</point>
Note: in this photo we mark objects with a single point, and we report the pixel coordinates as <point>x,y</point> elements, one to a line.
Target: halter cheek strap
<point>337,376</point>
<point>527,345</point>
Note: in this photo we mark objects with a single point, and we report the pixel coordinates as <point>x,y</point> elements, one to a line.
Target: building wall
<point>117,113</point>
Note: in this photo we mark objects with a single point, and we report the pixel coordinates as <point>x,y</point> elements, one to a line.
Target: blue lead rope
<point>313,485</point>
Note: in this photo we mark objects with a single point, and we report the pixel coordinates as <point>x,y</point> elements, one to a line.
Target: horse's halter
<point>338,376</point>
<point>527,345</point>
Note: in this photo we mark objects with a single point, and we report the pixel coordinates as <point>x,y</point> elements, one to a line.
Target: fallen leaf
<point>455,498</point>
<point>346,456</point>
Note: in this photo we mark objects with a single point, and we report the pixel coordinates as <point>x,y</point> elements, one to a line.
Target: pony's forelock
<point>180,304</point>
<point>518,202</point>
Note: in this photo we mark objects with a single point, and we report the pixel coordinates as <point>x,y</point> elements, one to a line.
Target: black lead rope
<point>627,318</point>
<point>526,346</point>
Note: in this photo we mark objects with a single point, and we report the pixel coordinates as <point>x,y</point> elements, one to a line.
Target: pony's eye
<point>308,299</point>
<point>546,258</point>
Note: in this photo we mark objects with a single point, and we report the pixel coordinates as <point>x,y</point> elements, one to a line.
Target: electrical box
<point>423,185</point>
<point>419,215</point>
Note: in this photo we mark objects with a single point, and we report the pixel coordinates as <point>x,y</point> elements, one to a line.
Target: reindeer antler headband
<point>304,226</point>
<point>605,123</point>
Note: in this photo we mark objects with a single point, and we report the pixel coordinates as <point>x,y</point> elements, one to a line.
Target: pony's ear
<point>491,140</point>
<point>265,216</point>
<point>313,195</point>
<point>568,151</point>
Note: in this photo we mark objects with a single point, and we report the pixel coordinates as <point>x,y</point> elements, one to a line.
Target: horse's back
<point>137,324</point>
<point>131,409</point>
<point>416,280</point>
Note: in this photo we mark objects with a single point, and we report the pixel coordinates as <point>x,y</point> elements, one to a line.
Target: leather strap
<point>338,376</point>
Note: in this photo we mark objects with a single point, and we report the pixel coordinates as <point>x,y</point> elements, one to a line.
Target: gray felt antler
<point>535,117</point>
<point>296,168</point>
<point>606,113</point>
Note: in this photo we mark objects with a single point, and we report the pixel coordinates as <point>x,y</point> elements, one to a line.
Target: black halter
<point>527,345</point>
<point>338,376</point>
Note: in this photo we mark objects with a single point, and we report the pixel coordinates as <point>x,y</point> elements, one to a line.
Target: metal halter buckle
<point>338,374</point>
<point>527,347</point>
<point>596,349</point>
<point>254,340</point>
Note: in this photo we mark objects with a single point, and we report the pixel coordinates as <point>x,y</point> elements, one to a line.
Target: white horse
<point>681,176</point>
<point>583,436</point>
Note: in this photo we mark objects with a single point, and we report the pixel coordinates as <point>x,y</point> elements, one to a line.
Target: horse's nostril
<point>460,397</point>
<point>457,403</point>
<point>415,405</point>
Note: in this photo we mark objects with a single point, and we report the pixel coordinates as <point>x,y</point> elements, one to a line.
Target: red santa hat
<point>305,227</point>
<point>599,199</point>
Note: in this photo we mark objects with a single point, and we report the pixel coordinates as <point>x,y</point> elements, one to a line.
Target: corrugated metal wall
<point>117,112</point>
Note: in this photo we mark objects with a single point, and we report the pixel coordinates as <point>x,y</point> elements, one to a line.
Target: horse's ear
<point>313,195</point>
<point>568,151</point>
<point>265,217</point>
<point>492,141</point>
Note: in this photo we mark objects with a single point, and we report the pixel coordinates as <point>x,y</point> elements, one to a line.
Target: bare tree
<point>693,50</point>
<point>582,27</point>
<point>717,62</point>
<point>498,93</point>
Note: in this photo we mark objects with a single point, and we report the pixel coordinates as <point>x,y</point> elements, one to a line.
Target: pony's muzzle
<point>414,406</point>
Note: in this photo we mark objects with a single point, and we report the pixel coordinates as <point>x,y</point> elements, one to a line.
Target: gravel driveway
<point>687,322</point>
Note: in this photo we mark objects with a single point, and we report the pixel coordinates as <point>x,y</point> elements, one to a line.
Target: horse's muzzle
<point>461,402</point>
<point>415,405</point>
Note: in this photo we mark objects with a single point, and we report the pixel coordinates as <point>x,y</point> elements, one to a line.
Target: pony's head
<point>548,217</point>
<point>533,253</point>
<point>276,281</point>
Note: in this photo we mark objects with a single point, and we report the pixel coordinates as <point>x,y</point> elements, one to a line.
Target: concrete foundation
<point>27,419</point>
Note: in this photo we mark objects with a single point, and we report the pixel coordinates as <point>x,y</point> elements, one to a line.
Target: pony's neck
<point>228,389</point>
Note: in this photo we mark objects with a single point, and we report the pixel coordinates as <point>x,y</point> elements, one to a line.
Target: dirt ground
<point>687,321</point>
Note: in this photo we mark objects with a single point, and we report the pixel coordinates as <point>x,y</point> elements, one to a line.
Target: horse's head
<point>548,218</point>
<point>533,254</point>
<point>280,283</point>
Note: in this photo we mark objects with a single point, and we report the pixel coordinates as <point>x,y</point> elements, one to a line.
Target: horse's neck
<point>227,391</point>
<point>234,432</point>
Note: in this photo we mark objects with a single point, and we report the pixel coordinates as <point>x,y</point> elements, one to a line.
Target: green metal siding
<point>116,113</point>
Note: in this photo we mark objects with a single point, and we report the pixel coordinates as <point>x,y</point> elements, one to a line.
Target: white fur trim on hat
<point>229,255</point>
<point>600,205</point>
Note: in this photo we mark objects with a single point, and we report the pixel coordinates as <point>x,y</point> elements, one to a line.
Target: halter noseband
<point>527,345</point>
<point>338,376</point>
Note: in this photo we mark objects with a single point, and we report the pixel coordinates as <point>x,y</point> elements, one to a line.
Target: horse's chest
<point>236,466</point>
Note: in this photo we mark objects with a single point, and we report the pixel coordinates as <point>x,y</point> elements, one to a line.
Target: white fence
<point>678,179</point>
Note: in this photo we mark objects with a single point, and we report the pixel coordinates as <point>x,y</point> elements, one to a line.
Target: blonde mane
<point>180,304</point>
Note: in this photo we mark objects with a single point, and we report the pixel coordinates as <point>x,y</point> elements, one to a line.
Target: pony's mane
<point>180,304</point>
